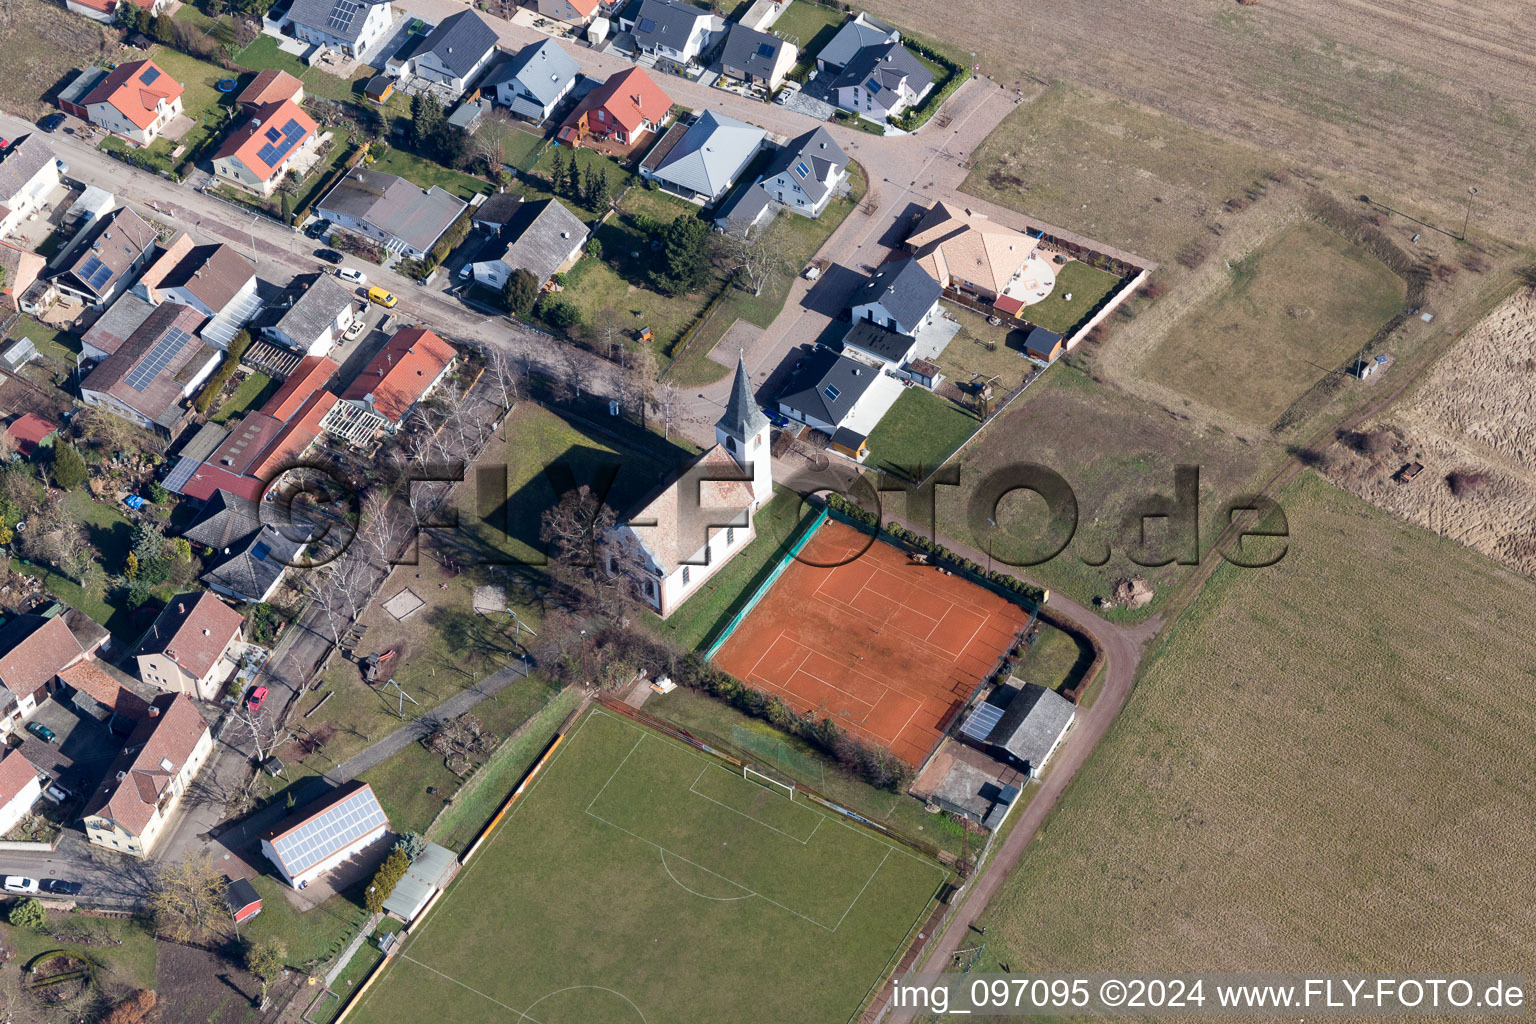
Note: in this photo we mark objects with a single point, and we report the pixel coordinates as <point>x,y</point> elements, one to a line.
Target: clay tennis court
<point>887,649</point>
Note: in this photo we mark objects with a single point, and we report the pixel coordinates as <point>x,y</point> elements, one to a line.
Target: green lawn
<point>587,160</point>
<point>1087,286</point>
<point>264,54</point>
<point>56,344</point>
<point>312,936</point>
<point>778,524</point>
<point>1055,660</point>
<point>727,889</point>
<point>423,172</point>
<point>810,27</point>
<point>251,393</point>
<point>521,148</point>
<point>126,948</point>
<point>967,354</point>
<point>919,431</point>
<point>208,108</point>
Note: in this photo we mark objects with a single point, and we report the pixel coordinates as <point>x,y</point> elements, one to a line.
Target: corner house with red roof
<point>20,786</point>
<point>193,646</point>
<point>405,372</point>
<point>621,112</point>
<point>142,788</point>
<point>34,650</point>
<point>135,101</point>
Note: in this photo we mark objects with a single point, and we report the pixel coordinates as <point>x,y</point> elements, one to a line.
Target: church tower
<point>743,431</point>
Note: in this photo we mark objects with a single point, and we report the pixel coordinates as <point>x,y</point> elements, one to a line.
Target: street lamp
<point>1468,218</point>
<point>990,535</point>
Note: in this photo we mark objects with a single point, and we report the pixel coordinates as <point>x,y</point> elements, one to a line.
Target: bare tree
<point>608,328</point>
<point>462,742</point>
<point>585,547</point>
<point>337,590</point>
<point>666,398</point>
<point>187,897</point>
<point>505,378</point>
<point>758,256</point>
<point>573,366</point>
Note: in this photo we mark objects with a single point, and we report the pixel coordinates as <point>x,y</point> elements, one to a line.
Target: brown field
<point>1291,312</point>
<point>54,41</point>
<point>1421,100</point>
<point>1475,414</point>
<point>1324,764</point>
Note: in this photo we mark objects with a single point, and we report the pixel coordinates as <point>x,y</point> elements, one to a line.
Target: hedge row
<point>221,376</point>
<point>910,120</point>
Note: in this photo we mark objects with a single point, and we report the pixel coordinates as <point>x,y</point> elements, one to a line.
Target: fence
<point>763,588</point>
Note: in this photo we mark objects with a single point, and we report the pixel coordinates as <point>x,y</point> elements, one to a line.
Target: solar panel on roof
<point>150,74</point>
<point>273,153</point>
<point>831,391</point>
<point>152,365</point>
<point>765,49</point>
<point>980,723</point>
<point>646,25</point>
<point>273,134</point>
<point>94,273</point>
<point>330,831</point>
<point>342,14</point>
<point>873,86</point>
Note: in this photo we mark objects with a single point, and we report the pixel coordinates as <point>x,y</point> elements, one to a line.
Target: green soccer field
<point>639,880</point>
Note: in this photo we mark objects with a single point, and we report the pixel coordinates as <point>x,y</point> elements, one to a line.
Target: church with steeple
<point>680,534</point>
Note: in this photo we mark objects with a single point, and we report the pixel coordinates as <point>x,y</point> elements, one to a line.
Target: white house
<point>543,238</point>
<point>20,786</point>
<point>323,834</point>
<point>136,101</point>
<point>29,172</point>
<point>806,173</point>
<point>318,319</point>
<point>684,531</point>
<point>192,647</point>
<point>216,280</point>
<point>106,10</point>
<point>899,296</point>
<point>882,81</point>
<point>676,30</point>
<point>406,218</point>
<point>757,58</point>
<point>143,788</point>
<point>452,55</point>
<point>258,153</point>
<point>534,80</point>
<point>405,371</point>
<point>351,26</point>
<point>572,12</point>
<point>855,35</point>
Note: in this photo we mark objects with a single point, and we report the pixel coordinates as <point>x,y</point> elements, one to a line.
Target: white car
<point>352,274</point>
<point>22,884</point>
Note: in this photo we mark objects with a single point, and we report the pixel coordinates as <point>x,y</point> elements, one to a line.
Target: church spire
<point>742,417</point>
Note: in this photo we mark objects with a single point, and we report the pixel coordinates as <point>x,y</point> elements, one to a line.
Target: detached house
<point>350,26</point>
<point>701,161</point>
<point>806,172</point>
<point>676,30</point>
<point>406,218</point>
<point>572,12</point>
<point>29,172</point>
<point>136,101</point>
<point>863,31</point>
<point>453,54</point>
<point>143,788</point>
<point>106,10</point>
<point>256,155</point>
<point>757,58</point>
<point>192,646</point>
<point>405,372</point>
<point>120,244</point>
<point>973,254</point>
<point>543,238</point>
<point>899,296</point>
<point>534,81</point>
<point>162,362</point>
<point>216,280</point>
<point>318,318</point>
<point>882,81</point>
<point>622,110</point>
<point>34,649</point>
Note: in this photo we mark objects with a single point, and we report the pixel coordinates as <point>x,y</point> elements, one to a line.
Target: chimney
<point>121,775</point>
<point>181,608</point>
<point>207,632</point>
<point>154,711</point>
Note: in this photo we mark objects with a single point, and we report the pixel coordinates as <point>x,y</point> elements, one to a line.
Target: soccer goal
<point>758,777</point>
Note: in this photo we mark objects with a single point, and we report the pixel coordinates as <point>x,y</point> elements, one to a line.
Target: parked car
<point>352,274</point>
<point>51,123</point>
<point>358,326</point>
<point>59,887</point>
<point>319,229</point>
<point>382,297</point>
<point>254,701</point>
<point>778,419</point>
<point>21,884</point>
<point>329,255</point>
<point>42,732</point>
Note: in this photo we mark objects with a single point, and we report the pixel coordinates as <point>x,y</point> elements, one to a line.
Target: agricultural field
<point>56,42</point>
<point>728,887</point>
<point>1324,762</point>
<point>1342,88</point>
<point>1291,312</point>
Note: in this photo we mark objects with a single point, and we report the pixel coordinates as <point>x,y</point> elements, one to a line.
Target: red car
<point>253,702</point>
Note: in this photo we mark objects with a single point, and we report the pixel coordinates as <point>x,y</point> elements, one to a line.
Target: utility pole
<point>1467,220</point>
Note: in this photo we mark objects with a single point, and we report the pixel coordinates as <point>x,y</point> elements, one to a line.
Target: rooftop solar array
<point>150,74</point>
<point>280,142</point>
<point>980,723</point>
<point>765,49</point>
<point>95,273</point>
<point>646,25</point>
<point>342,14</point>
<point>332,829</point>
<point>152,365</point>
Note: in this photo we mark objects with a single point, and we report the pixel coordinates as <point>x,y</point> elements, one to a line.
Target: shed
<point>1022,724</point>
<point>242,899</point>
<point>19,354</point>
<point>1042,344</point>
<point>850,443</point>
<point>428,874</point>
<point>924,372</point>
<point>379,88</point>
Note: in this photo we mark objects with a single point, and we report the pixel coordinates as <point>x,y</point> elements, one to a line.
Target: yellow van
<point>382,297</point>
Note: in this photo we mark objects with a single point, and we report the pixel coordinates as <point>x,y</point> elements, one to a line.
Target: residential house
<point>405,372</point>
<point>116,325</point>
<point>160,364</point>
<point>806,173</point>
<point>248,556</point>
<point>275,443</point>
<point>20,270</point>
<point>135,100</point>
<point>700,162</point>
<point>855,35</point>
<point>270,87</point>
<point>1021,724</point>
<point>311,375</point>
<point>256,155</point>
<point>318,318</point>
<point>826,390</point>
<point>428,875</point>
<point>192,647</point>
<point>143,788</point>
<point>405,218</point>
<point>676,30</point>
<point>120,244</point>
<point>350,26</point>
<point>533,81</point>
<point>882,81</point>
<point>325,833</point>
<point>216,280</point>
<point>622,110</point>
<point>757,58</point>
<point>544,239</point>
<point>20,787</point>
<point>453,54</point>
<point>898,295</point>
<point>971,253</point>
<point>34,649</point>
<point>696,521</point>
<point>572,12</point>
<point>105,693</point>
<point>29,173</point>
<point>106,10</point>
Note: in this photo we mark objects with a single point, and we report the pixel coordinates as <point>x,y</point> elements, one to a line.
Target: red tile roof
<point>295,438</point>
<point>207,480</point>
<point>42,651</point>
<point>249,438</point>
<point>246,142</point>
<point>15,773</point>
<point>127,92</point>
<point>271,86</point>
<point>169,734</point>
<point>192,631</point>
<point>28,430</point>
<point>90,677</point>
<point>312,374</point>
<point>401,373</point>
<point>629,98</point>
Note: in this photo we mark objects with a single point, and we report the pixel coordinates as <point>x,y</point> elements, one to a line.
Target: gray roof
<point>120,320</point>
<point>81,85</point>
<point>821,155</point>
<point>340,18</point>
<point>498,210</point>
<point>742,417</point>
<point>205,442</point>
<point>710,154</point>
<point>666,22</point>
<point>541,236</point>
<point>862,31</point>
<point>394,206</point>
<point>1041,340</point>
<point>904,288</point>
<point>469,114</point>
<point>316,309</point>
<point>428,872</point>
<point>744,209</point>
<point>870,337</point>
<point>541,70</point>
<point>1035,719</point>
<point>881,70</point>
<point>226,521</point>
<point>826,386</point>
<point>20,162</point>
<point>459,41</point>
<point>19,354</point>
<point>119,240</point>
<point>751,51</point>
<point>254,563</point>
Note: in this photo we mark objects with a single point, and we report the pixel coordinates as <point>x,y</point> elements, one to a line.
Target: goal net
<point>753,775</point>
